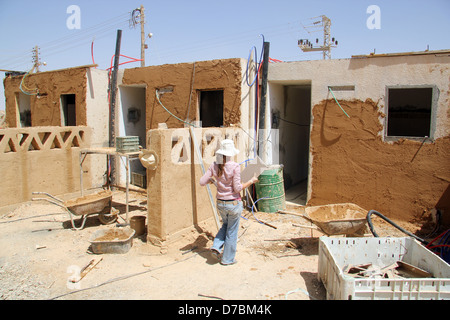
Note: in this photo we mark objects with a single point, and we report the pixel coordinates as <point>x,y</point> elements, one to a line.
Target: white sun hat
<point>227,148</point>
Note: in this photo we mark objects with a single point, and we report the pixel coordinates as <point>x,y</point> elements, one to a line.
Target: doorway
<point>291,115</point>
<point>132,122</point>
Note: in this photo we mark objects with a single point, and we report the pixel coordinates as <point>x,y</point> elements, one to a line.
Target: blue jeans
<point>226,238</point>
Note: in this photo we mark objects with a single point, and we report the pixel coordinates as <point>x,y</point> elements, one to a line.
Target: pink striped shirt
<point>229,184</point>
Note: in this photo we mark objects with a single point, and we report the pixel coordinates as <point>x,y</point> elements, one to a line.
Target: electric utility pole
<point>138,16</point>
<point>36,58</point>
<point>320,25</point>
<point>143,45</point>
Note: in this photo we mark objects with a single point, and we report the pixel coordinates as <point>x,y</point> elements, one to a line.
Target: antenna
<point>323,24</point>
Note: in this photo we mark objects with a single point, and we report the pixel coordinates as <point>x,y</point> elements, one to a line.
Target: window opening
<point>410,111</point>
<point>68,114</point>
<point>211,108</point>
<point>23,105</point>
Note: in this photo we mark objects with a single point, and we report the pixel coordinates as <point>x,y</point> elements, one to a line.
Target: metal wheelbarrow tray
<point>97,203</point>
<point>337,219</point>
<point>112,240</point>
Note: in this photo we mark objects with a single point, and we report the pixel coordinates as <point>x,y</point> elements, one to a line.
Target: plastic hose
<point>92,51</point>
<point>254,206</point>
<point>369,221</point>
<point>188,123</point>
<point>110,68</point>
<point>258,64</point>
<point>439,236</point>
<point>443,246</point>
<point>248,63</point>
<point>338,102</point>
<point>442,249</point>
<point>22,86</point>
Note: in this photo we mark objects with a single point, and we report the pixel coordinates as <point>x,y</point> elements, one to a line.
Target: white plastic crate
<point>336,253</point>
<point>127,144</point>
<point>139,179</point>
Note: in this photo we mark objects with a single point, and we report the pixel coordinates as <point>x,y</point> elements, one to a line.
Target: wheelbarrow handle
<point>297,214</point>
<point>309,227</point>
<point>49,195</point>
<point>83,217</point>
<point>51,201</point>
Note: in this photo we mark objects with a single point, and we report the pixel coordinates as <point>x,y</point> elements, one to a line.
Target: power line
<point>68,42</point>
<point>228,39</point>
<point>25,55</point>
<point>85,31</point>
<point>86,39</point>
<point>218,42</point>
<point>103,29</point>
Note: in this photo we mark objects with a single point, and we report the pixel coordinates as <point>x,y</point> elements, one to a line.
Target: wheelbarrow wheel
<point>109,218</point>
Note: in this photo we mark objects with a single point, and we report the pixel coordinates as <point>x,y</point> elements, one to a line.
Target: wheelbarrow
<point>97,203</point>
<point>336,219</point>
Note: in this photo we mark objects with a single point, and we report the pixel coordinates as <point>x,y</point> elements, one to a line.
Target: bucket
<point>270,191</point>
<point>137,223</point>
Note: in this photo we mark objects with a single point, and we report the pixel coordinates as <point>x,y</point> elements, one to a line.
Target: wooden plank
<point>411,271</point>
<point>86,269</point>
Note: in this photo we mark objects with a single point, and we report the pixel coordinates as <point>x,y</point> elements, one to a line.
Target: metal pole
<point>81,172</point>
<point>112,112</point>
<point>127,187</point>
<point>263,102</point>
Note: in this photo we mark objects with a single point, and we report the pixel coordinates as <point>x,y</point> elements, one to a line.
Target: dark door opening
<point>68,110</point>
<point>211,108</point>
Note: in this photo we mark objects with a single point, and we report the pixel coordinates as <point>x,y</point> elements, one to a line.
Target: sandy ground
<point>40,252</point>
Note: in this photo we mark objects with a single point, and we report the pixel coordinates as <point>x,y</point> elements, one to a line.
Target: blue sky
<point>196,30</point>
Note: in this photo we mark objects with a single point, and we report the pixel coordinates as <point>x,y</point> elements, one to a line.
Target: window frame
<point>434,104</point>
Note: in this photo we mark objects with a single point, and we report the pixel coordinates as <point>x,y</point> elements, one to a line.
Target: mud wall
<point>350,159</point>
<point>402,179</point>
<point>46,107</point>
<point>176,201</point>
<point>223,75</point>
<point>25,155</point>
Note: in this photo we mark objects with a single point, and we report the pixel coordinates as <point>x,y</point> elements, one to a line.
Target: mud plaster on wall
<point>45,110</point>
<point>351,163</point>
<point>207,75</point>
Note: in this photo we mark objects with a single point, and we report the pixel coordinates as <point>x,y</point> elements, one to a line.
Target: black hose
<point>369,221</point>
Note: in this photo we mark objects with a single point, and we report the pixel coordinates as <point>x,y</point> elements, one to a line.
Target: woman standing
<point>227,175</point>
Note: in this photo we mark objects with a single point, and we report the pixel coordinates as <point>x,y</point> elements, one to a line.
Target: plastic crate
<point>127,144</point>
<point>139,179</point>
<point>336,253</point>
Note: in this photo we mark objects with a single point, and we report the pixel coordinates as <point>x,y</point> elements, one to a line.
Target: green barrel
<point>270,191</point>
